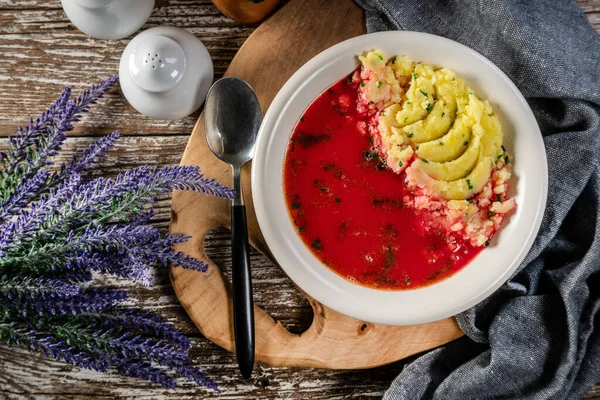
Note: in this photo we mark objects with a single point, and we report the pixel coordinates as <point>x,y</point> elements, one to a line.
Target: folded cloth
<point>538,336</point>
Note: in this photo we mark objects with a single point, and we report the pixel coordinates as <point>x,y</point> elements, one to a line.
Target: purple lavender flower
<point>89,301</point>
<point>59,230</point>
<point>142,321</point>
<point>90,156</point>
<point>23,194</point>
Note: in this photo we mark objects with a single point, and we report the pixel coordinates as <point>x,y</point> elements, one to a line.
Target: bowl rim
<point>322,286</point>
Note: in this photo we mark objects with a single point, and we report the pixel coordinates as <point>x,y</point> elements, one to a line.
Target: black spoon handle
<point>243,306</point>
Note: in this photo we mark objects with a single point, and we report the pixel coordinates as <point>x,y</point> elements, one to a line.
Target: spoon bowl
<point>232,119</point>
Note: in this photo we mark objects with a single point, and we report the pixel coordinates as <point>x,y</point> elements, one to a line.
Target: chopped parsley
<point>316,244</point>
<point>425,161</point>
<point>470,201</point>
<point>338,200</point>
<point>372,102</point>
<point>503,149</point>
<point>424,93</point>
<point>410,134</point>
<point>415,76</point>
<point>506,160</point>
<point>380,57</point>
<point>409,102</point>
<point>383,114</point>
<point>379,84</point>
<point>301,229</point>
<point>301,119</point>
<point>487,243</point>
<point>407,280</point>
<point>394,60</point>
<point>362,84</point>
<point>470,92</point>
<point>499,197</point>
<point>466,142</point>
<point>499,156</point>
<point>324,189</point>
<point>441,143</point>
<point>295,205</point>
<point>443,114</point>
<point>492,213</point>
<point>400,163</point>
<point>469,184</point>
<point>405,119</point>
<point>453,78</point>
<point>429,107</point>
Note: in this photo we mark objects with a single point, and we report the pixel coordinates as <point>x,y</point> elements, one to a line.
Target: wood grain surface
<point>40,52</point>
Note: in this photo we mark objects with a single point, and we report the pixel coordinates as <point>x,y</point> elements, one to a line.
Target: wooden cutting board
<point>269,57</point>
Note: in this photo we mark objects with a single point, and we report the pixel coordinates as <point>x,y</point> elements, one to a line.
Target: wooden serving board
<point>282,44</point>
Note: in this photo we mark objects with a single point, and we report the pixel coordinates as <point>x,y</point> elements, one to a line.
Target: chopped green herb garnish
<point>323,189</point>
<point>400,163</point>
<point>301,229</point>
<point>503,149</point>
<point>295,205</point>
<point>441,143</point>
<point>443,114</point>
<point>301,119</point>
<point>487,243</point>
<point>316,244</point>
<point>466,142</point>
<point>499,197</point>
<point>492,213</point>
<point>380,57</point>
<point>410,134</point>
<point>425,161</point>
<point>405,119</point>
<point>379,84</point>
<point>394,60</point>
<point>407,280</point>
<point>453,78</point>
<point>470,92</point>
<point>362,84</point>
<point>506,160</point>
<point>372,102</point>
<point>469,184</point>
<point>383,114</point>
<point>415,76</point>
<point>470,201</point>
<point>429,107</point>
<point>499,156</point>
<point>409,102</point>
<point>424,93</point>
<point>338,200</point>
<point>371,139</point>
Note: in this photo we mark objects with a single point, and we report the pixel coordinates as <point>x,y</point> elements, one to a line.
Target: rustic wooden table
<point>40,52</point>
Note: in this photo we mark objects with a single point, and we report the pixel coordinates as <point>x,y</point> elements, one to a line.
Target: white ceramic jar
<point>108,19</point>
<point>165,73</point>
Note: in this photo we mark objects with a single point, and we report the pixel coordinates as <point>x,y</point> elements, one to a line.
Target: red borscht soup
<point>348,207</point>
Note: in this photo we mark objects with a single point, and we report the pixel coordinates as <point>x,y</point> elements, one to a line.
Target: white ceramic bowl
<point>489,270</point>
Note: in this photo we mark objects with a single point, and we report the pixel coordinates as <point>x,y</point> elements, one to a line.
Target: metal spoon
<point>232,117</point>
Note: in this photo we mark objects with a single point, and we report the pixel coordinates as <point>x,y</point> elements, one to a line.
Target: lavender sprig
<point>58,230</point>
<point>23,194</point>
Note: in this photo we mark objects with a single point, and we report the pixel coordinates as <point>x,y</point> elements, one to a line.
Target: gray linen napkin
<point>537,337</point>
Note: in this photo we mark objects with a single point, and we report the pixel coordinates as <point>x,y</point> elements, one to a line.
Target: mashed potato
<point>430,124</point>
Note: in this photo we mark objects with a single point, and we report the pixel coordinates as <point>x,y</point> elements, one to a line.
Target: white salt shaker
<point>108,19</point>
<point>165,73</point>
